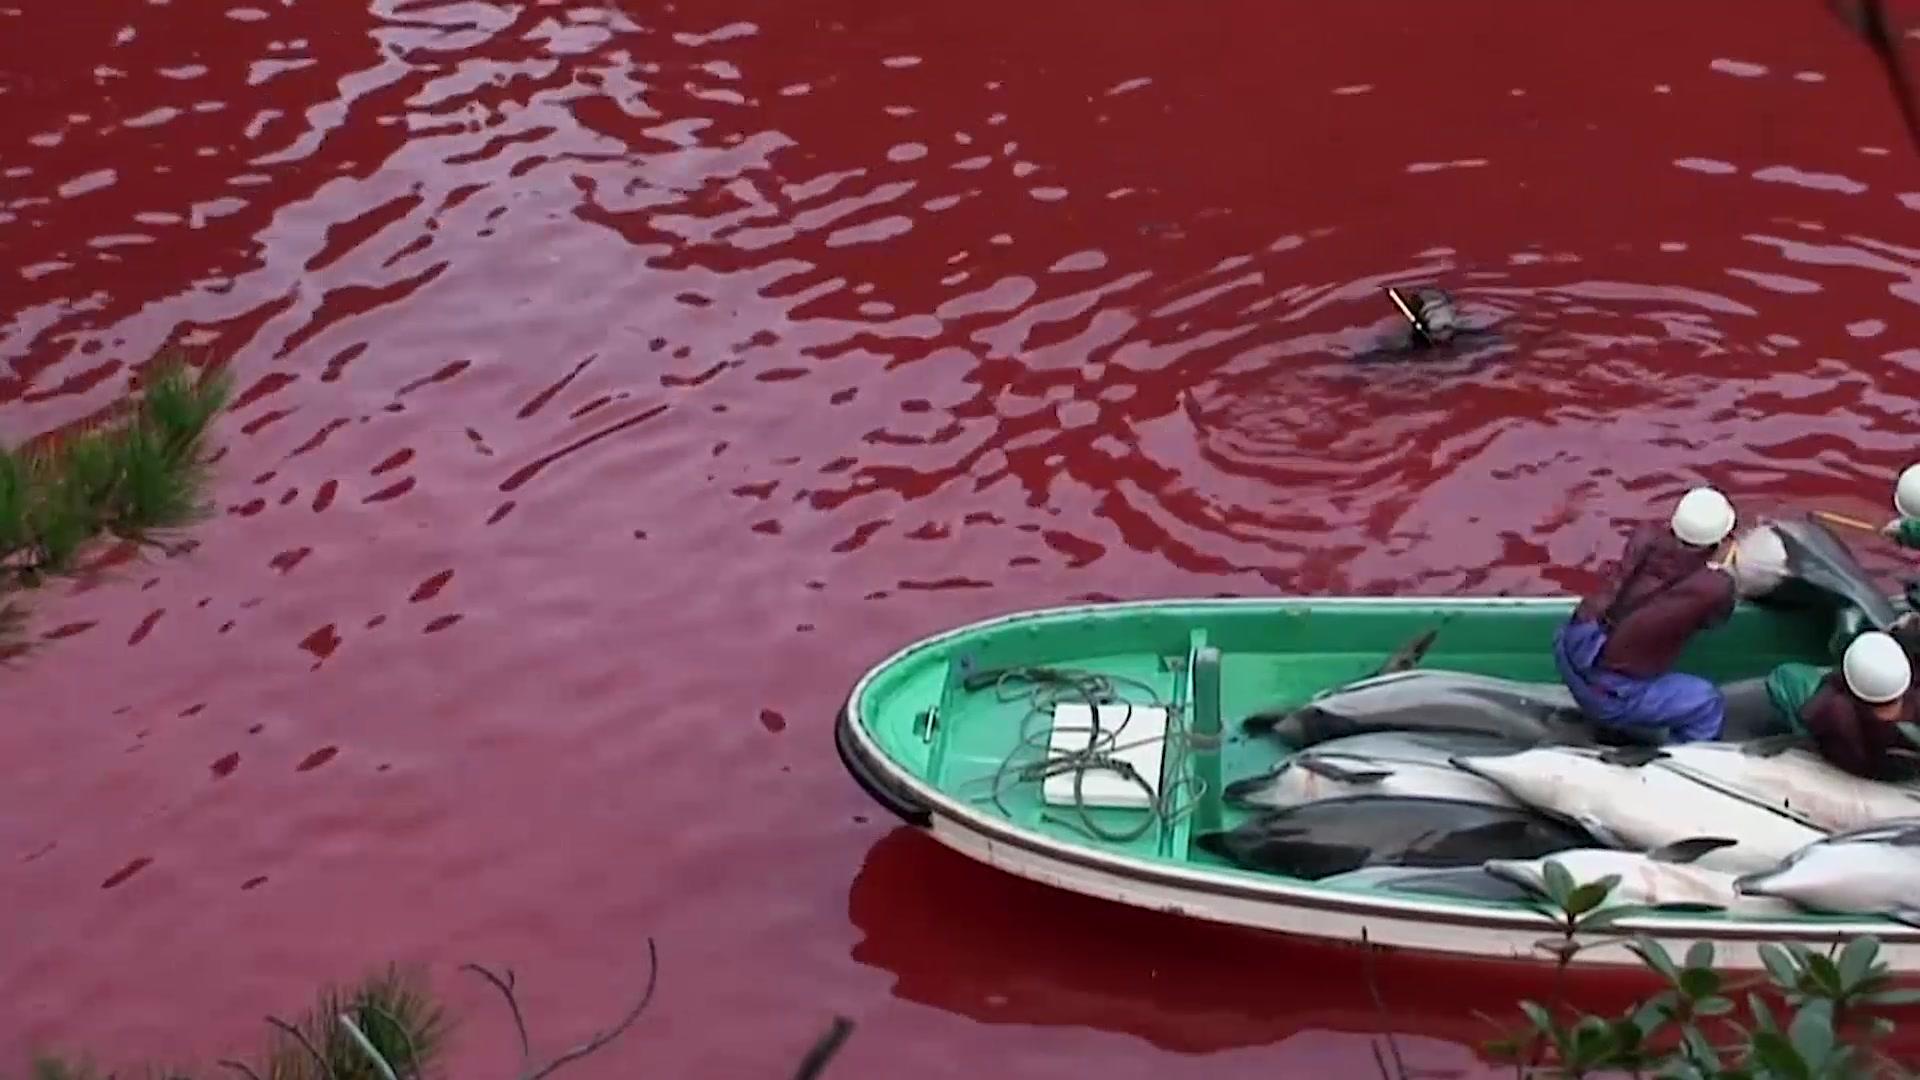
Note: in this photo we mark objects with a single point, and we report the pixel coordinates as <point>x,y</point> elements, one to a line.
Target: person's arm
<point>1903,531</point>
<point>1836,731</point>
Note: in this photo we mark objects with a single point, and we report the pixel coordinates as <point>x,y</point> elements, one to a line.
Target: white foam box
<point>1142,745</point>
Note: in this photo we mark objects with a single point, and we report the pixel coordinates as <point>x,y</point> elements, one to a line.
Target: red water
<point>620,383</point>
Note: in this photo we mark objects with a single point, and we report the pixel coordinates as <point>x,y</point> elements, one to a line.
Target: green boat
<point>940,733</point>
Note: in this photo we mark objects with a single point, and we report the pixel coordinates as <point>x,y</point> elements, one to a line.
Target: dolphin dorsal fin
<point>1686,851</point>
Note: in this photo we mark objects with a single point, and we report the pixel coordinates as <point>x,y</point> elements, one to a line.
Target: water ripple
<point>613,380</point>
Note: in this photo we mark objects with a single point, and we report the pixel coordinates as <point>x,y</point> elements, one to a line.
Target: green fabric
<point>1789,686</point>
<point>1908,534</point>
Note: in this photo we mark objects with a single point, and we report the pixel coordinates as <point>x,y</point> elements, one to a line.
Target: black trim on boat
<point>895,798</point>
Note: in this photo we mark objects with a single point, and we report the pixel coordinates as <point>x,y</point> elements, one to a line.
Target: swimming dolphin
<point>1869,871</point>
<point>1639,809</point>
<point>1665,877</point>
<point>1377,763</point>
<point>1338,835</point>
<point>1435,700</point>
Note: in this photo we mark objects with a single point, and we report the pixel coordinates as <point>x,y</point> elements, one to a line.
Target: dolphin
<point>1783,773</point>
<point>1432,699</point>
<point>1432,322</point>
<point>1798,562</point>
<point>1869,871</point>
<point>1634,808</point>
<point>1377,763</point>
<point>1664,878</point>
<point>1334,836</point>
<point>1461,882</point>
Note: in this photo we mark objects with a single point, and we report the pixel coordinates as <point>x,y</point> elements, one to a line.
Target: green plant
<point>389,1027</point>
<point>130,479</point>
<point>1700,1025</point>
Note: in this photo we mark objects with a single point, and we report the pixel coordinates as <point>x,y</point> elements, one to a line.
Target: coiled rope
<point>1044,689</point>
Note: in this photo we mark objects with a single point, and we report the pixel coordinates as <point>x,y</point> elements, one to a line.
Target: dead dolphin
<point>1459,882</point>
<point>1376,763</point>
<point>1870,871</point>
<point>1435,700</point>
<point>1335,836</point>
<point>1783,773</point>
<point>1635,808</point>
<point>1664,878</point>
<point>1813,568</point>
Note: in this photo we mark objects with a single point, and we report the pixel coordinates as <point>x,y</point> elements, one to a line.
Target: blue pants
<point>1685,708</point>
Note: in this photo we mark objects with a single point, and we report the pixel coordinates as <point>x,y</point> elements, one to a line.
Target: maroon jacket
<point>1659,595</point>
<point>1850,736</point>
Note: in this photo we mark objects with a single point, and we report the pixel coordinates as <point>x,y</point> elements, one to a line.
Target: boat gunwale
<point>903,787</point>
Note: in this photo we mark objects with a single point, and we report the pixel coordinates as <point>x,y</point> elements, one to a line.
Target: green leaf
<point>1559,883</point>
<point>1893,998</point>
<point>1700,954</point>
<point>1601,919</point>
<point>1538,1016</point>
<point>1779,1057</point>
<point>1780,967</point>
<point>1627,1034</point>
<point>1857,962</point>
<point>1762,1016</point>
<point>1588,896</point>
<point>1699,982</point>
<point>1654,955</point>
<point>1649,1018</point>
<point>1713,1006</point>
<point>1812,1033</point>
<point>1825,974</point>
<point>1592,1041</point>
<point>1698,1048</point>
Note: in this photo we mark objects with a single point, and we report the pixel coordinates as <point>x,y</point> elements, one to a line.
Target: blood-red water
<point>621,381</point>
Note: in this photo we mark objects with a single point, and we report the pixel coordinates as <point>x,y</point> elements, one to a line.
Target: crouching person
<point>1616,653</point>
<point>1853,713</point>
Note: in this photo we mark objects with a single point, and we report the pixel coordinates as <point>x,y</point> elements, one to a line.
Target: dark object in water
<point>1335,836</point>
<point>1432,321</point>
<point>1821,572</point>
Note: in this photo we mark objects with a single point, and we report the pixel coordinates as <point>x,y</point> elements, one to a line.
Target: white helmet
<point>1876,667</point>
<point>1703,518</point>
<point>1906,492</point>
